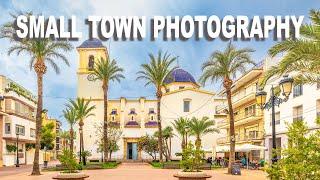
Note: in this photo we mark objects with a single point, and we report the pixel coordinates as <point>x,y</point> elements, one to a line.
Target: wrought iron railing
<point>249,136</point>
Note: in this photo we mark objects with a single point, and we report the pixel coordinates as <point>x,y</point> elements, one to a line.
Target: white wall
<point>202,104</point>
<point>308,100</point>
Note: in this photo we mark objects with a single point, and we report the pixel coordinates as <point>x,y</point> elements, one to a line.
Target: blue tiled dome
<point>179,75</point>
<point>92,43</point>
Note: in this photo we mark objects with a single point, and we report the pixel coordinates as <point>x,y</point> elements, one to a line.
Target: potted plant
<point>68,160</point>
<point>191,162</point>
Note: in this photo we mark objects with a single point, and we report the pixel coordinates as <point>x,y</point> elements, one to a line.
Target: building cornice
<point>191,89</point>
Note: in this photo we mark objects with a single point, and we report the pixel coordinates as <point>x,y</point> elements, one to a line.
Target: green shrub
<point>68,160</point>
<point>300,160</point>
<point>156,164</point>
<point>110,165</point>
<point>11,148</point>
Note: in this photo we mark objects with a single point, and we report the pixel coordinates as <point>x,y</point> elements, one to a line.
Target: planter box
<point>192,176</point>
<point>72,176</point>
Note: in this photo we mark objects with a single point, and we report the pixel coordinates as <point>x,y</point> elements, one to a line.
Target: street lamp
<point>17,162</point>
<point>261,96</point>
<point>80,132</point>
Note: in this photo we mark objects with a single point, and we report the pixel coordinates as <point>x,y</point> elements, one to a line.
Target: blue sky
<point>58,88</point>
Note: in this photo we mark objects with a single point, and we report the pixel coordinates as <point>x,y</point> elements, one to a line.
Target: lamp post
<point>261,96</point>
<point>17,161</point>
<point>80,152</point>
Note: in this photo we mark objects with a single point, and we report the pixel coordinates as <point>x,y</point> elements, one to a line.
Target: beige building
<point>137,117</point>
<point>248,117</point>
<point>17,122</point>
<point>52,154</point>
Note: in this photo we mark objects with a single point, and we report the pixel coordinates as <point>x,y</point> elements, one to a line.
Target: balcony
<point>21,114</point>
<point>221,110</point>
<point>251,136</point>
<point>241,118</point>
<point>244,96</point>
<point>298,118</point>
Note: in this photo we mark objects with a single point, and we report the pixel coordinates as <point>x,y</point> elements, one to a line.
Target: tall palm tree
<point>201,127</point>
<point>224,66</point>
<point>106,70</point>
<point>155,73</point>
<point>302,55</point>
<point>83,110</point>
<point>181,125</point>
<point>70,115</point>
<point>42,53</point>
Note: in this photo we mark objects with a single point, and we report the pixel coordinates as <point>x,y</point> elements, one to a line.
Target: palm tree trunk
<point>183,143</point>
<point>186,141</point>
<point>159,94</point>
<point>105,121</point>
<point>71,140</point>
<point>36,167</point>
<point>198,143</point>
<point>170,148</point>
<point>227,85</point>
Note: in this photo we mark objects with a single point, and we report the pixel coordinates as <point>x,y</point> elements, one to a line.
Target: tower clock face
<point>90,77</point>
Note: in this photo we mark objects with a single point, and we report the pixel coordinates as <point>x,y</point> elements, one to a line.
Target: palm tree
<point>70,115</point>
<point>155,73</point>
<point>181,125</point>
<point>224,66</point>
<point>201,127</point>
<point>167,134</point>
<point>42,52</point>
<point>302,55</point>
<point>83,110</point>
<point>65,136</point>
<point>106,70</point>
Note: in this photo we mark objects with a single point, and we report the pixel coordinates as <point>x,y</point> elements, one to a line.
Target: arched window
<point>91,62</point>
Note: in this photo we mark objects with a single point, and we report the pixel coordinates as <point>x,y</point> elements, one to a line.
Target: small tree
<point>47,136</point>
<point>68,160</point>
<point>149,144</point>
<point>301,159</point>
<point>112,147</point>
<point>84,155</point>
<point>192,158</point>
<point>114,135</point>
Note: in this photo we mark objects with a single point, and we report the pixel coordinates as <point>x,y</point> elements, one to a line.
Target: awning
<point>240,148</point>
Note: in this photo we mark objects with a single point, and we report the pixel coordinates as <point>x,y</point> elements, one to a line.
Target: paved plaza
<point>139,171</point>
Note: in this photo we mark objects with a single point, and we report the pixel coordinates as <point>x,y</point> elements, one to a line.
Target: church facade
<point>182,97</point>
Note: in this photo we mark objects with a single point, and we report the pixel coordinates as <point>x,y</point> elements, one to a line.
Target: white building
<point>303,104</point>
<point>17,109</point>
<point>137,117</point>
